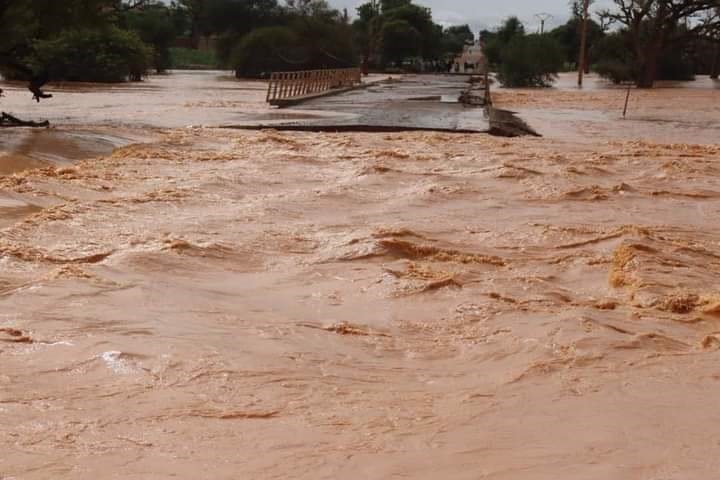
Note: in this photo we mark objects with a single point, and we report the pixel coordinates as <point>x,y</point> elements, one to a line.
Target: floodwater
<point>206,303</point>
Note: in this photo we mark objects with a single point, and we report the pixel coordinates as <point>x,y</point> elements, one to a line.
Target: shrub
<point>530,61</point>
<point>675,65</point>
<point>399,41</point>
<point>265,50</point>
<point>108,55</point>
<point>615,60</point>
<point>189,59</point>
<point>155,27</point>
<point>617,71</point>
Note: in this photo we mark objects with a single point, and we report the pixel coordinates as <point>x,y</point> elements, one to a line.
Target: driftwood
<point>7,120</point>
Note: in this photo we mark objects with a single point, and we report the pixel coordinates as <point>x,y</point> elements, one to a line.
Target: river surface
<point>201,303</point>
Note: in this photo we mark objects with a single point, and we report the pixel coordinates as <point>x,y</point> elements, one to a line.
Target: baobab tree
<point>651,25</point>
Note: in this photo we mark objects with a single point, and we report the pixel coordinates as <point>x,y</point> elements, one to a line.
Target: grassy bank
<point>189,59</point>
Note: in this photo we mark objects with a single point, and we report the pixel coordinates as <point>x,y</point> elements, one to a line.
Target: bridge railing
<point>290,85</point>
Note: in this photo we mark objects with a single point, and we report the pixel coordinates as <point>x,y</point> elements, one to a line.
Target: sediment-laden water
<point>208,303</point>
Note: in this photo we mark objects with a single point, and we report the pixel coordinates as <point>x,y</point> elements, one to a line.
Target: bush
<point>617,71</point>
<point>675,65</point>
<point>399,41</point>
<point>108,55</point>
<point>155,27</point>
<point>530,61</point>
<point>615,60</point>
<point>265,50</point>
<point>189,59</point>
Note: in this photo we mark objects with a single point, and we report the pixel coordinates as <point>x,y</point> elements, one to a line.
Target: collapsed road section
<point>449,103</point>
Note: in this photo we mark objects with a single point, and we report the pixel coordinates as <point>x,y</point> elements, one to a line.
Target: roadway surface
<point>409,102</point>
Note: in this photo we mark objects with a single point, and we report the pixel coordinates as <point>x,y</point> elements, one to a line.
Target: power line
<point>543,17</point>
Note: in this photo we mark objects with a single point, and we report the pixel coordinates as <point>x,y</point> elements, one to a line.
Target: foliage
<point>108,55</point>
<point>619,63</point>
<point>59,40</point>
<point>495,42</point>
<point>189,58</point>
<point>454,40</point>
<point>265,50</point>
<point>399,30</point>
<point>615,70</point>
<point>156,26</point>
<point>568,36</point>
<point>530,61</point>
<point>676,64</point>
<point>654,26</point>
<point>400,40</point>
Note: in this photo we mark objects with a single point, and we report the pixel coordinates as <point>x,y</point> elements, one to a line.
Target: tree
<point>511,28</point>
<point>157,27</point>
<point>614,59</point>
<point>304,35</point>
<point>387,5</point>
<point>420,19</point>
<point>411,25</point>
<point>30,27</point>
<point>196,11</point>
<point>400,40</point>
<point>568,36</point>
<point>265,50</point>
<point>233,19</point>
<point>107,55</point>
<point>495,42</point>
<point>455,38</point>
<point>651,25</point>
<point>366,30</point>
<point>530,61</point>
<point>715,69</point>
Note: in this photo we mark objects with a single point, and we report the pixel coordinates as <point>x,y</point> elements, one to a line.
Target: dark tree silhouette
<point>652,24</point>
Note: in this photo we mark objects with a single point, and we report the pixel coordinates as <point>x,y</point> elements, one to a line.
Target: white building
<point>471,60</point>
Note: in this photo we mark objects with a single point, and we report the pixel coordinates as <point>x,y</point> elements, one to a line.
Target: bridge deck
<point>411,102</point>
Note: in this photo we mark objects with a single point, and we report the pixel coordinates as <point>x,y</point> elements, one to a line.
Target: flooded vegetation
<point>181,300</point>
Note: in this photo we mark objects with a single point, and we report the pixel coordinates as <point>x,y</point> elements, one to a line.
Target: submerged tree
<point>651,25</point>
<point>494,42</point>
<point>530,61</point>
<point>42,40</point>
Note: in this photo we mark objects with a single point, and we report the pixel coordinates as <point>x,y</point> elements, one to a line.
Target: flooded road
<point>211,303</point>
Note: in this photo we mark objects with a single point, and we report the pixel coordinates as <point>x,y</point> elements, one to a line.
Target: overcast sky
<point>488,13</point>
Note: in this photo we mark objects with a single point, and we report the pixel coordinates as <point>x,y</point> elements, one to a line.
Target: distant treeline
<point>116,40</point>
<point>637,42</point>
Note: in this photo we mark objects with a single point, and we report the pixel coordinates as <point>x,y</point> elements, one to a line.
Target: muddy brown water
<point>209,303</point>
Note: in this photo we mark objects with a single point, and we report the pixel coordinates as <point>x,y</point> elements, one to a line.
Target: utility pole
<point>583,42</point>
<point>543,17</point>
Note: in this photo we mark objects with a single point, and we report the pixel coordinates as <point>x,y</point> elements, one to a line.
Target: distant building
<point>471,60</point>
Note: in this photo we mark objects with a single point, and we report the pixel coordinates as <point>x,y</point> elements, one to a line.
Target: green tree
<point>429,35</point>
<point>651,26</point>
<point>387,5</point>
<point>495,42</point>
<point>568,36</point>
<point>266,50</point>
<point>29,25</point>
<point>614,60</point>
<point>366,32</point>
<point>400,40</point>
<point>107,55</point>
<point>157,27</point>
<point>530,61</point>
